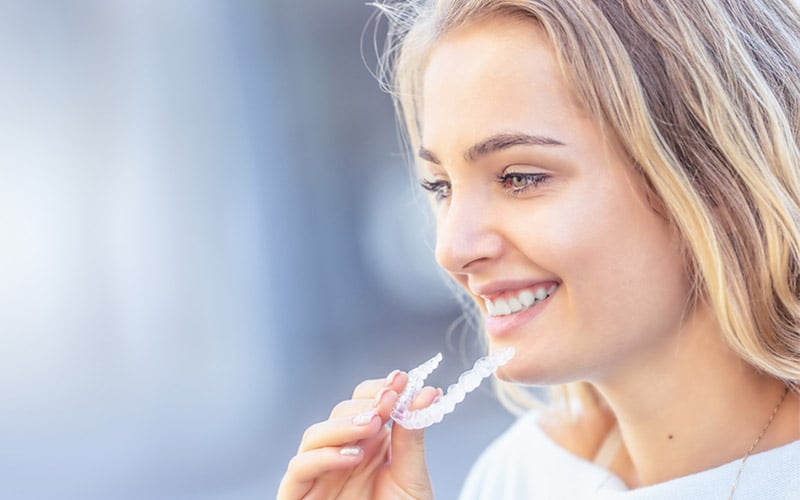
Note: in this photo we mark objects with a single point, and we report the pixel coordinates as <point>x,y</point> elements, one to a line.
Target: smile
<point>522,300</point>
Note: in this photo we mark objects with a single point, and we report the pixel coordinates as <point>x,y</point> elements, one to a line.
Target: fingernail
<point>437,398</point>
<point>390,378</point>
<point>350,451</point>
<point>364,418</point>
<point>379,396</point>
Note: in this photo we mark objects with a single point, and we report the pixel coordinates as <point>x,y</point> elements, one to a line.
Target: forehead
<point>496,74</point>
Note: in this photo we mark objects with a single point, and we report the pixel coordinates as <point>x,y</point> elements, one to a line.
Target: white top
<point>525,463</point>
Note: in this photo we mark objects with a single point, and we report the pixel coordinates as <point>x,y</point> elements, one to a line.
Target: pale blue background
<point>208,235</point>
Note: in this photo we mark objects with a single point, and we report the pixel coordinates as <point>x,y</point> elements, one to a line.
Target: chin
<point>522,371</point>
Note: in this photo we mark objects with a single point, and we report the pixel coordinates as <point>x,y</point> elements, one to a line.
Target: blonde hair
<point>704,95</point>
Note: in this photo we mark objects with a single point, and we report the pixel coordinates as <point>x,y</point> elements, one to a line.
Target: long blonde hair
<point>704,95</point>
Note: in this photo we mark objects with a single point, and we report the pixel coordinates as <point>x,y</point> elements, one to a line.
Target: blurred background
<point>208,236</point>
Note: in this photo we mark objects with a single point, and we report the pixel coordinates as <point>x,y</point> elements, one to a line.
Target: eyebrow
<point>496,143</point>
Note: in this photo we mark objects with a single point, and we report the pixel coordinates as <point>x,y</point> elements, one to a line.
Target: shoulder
<point>524,462</point>
<point>773,474</point>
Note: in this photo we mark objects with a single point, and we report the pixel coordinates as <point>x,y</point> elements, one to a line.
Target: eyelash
<point>532,180</point>
<point>441,189</point>
<point>436,188</point>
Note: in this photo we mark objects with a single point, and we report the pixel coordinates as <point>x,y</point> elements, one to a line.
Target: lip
<point>499,326</point>
<point>498,289</point>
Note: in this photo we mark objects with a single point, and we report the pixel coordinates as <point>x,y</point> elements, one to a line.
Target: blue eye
<point>516,183</point>
<point>440,189</point>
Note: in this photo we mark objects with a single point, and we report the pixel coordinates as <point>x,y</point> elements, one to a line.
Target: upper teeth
<point>514,304</point>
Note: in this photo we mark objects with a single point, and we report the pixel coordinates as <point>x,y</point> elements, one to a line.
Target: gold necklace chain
<point>758,440</point>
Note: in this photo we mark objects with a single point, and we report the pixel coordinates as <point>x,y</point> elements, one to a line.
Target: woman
<point>638,161</point>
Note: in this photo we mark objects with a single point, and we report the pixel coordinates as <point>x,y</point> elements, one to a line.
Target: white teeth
<point>525,299</point>
<point>502,307</point>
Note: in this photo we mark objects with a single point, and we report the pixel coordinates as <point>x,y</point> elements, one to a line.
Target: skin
<point>575,214</point>
<point>320,471</point>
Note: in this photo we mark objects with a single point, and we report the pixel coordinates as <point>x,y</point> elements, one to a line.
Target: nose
<point>467,234</point>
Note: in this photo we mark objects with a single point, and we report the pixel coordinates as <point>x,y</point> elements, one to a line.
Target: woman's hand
<point>354,454</point>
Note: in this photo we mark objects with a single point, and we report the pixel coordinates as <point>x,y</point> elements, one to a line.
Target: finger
<point>385,401</point>
<point>351,408</point>
<point>368,389</point>
<point>397,380</point>
<point>341,431</point>
<point>425,398</point>
<point>385,398</point>
<point>408,447</point>
<point>305,468</point>
<point>352,483</point>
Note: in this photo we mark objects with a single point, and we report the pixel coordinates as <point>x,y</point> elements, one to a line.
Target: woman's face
<point>540,215</point>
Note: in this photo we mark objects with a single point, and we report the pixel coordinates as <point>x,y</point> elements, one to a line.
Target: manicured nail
<point>364,418</point>
<point>350,451</point>
<point>379,396</point>
<point>390,378</point>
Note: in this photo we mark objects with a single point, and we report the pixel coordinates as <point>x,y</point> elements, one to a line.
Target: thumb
<point>408,451</point>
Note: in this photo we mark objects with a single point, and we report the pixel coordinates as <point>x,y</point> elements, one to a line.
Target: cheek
<point>570,232</point>
<point>614,254</point>
<point>630,271</point>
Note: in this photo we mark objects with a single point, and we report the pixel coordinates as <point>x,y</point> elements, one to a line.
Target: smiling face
<point>540,215</point>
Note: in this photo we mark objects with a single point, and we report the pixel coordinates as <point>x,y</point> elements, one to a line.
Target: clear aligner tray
<point>467,382</point>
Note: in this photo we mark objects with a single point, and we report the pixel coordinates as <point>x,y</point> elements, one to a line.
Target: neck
<point>691,405</point>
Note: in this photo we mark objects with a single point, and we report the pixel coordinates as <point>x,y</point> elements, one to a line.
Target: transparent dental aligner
<point>467,382</point>
<point>416,380</point>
